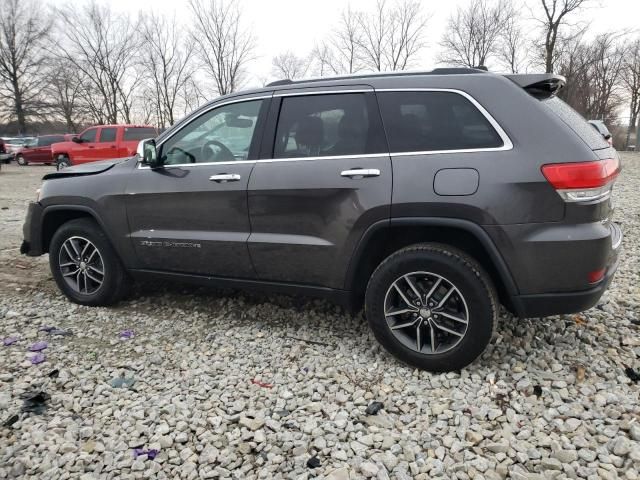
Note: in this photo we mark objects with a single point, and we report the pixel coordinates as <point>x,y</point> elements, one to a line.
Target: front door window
<point>224,134</point>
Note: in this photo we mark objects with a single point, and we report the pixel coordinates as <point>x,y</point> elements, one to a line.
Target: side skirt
<point>340,297</point>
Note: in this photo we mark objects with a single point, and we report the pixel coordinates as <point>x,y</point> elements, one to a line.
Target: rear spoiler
<point>539,85</point>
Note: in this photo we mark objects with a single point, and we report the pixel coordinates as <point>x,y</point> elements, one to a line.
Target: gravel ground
<point>223,384</point>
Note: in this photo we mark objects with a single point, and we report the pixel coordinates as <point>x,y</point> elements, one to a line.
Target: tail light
<point>583,181</point>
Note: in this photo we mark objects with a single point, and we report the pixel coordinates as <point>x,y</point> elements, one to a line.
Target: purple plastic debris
<point>126,334</point>
<point>9,341</point>
<point>37,358</point>
<point>151,453</point>
<point>46,329</point>
<point>38,346</point>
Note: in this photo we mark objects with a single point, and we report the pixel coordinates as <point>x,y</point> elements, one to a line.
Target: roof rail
<point>435,71</point>
<point>285,81</point>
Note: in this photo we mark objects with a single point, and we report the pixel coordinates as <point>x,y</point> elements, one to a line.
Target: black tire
<point>62,162</point>
<point>116,282</point>
<point>461,271</point>
<point>21,161</point>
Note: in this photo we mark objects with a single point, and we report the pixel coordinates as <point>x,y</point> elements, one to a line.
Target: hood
<point>91,168</point>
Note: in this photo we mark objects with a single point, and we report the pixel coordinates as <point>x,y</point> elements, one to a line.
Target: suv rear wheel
<point>85,266</point>
<point>21,161</point>
<point>431,306</point>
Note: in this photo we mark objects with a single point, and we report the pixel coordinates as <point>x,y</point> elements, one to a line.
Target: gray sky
<point>281,25</point>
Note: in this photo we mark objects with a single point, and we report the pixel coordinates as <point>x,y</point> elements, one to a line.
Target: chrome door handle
<point>225,177</point>
<point>360,173</point>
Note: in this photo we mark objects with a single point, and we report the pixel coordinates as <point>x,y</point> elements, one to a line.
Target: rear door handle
<point>360,173</point>
<point>225,177</point>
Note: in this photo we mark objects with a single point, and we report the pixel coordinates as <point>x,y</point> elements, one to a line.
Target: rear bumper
<point>32,231</point>
<point>6,157</point>
<point>546,304</point>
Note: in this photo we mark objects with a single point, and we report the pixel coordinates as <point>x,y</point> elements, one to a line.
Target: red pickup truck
<point>103,142</point>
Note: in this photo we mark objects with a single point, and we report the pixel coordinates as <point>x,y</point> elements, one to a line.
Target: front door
<point>84,151</point>
<point>328,177</point>
<point>191,215</point>
<point>107,146</point>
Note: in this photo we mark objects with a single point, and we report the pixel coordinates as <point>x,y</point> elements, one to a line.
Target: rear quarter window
<point>434,121</point>
<point>139,133</point>
<point>576,122</point>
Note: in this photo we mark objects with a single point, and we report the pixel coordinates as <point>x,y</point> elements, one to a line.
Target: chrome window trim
<point>507,143</point>
<point>211,107</point>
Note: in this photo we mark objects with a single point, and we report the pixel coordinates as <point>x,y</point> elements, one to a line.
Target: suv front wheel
<point>85,266</point>
<point>432,306</point>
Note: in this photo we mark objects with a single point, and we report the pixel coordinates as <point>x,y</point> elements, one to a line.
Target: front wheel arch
<point>55,216</point>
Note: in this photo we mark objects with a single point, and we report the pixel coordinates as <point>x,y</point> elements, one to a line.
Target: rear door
<point>324,177</point>
<point>191,215</point>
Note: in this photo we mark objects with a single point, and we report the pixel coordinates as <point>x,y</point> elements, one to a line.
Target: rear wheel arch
<point>387,237</point>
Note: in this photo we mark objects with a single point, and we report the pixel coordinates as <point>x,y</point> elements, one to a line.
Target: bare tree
<point>473,34</point>
<point>392,35</point>
<point>64,95</point>
<point>167,64</point>
<point>340,52</point>
<point>512,49</point>
<point>594,72</point>
<point>631,83</point>
<point>24,26</point>
<point>608,63</point>
<point>289,65</point>
<point>555,14</point>
<point>223,44</point>
<point>406,36</point>
<point>102,47</point>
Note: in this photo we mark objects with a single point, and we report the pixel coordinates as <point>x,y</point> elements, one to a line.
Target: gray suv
<point>430,198</point>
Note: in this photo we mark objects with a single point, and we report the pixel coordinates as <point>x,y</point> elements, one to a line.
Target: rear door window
<point>576,122</point>
<point>108,135</point>
<point>139,133</point>
<point>326,125</point>
<point>47,141</point>
<point>434,121</point>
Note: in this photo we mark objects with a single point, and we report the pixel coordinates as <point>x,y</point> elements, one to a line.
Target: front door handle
<point>225,177</point>
<point>360,173</point>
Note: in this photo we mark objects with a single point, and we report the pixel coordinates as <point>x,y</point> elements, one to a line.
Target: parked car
<point>451,209</point>
<point>39,150</point>
<point>5,157</point>
<point>602,129</point>
<point>13,144</point>
<point>100,143</point>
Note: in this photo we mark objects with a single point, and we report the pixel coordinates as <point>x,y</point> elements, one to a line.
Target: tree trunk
<point>22,122</point>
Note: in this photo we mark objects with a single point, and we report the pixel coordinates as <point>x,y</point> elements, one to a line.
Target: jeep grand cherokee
<point>431,198</point>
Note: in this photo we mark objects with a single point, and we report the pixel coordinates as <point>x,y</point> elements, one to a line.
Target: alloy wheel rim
<point>426,312</point>
<point>81,265</point>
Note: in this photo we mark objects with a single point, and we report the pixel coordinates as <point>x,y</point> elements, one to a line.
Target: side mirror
<point>76,140</point>
<point>148,153</point>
